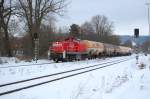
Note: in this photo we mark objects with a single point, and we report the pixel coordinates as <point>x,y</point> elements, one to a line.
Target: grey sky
<point>126,14</point>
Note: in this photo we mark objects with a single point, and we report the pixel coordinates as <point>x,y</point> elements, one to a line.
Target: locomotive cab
<point>67,50</point>
<point>57,47</point>
<point>56,51</point>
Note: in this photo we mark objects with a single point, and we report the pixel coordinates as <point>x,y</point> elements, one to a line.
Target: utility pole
<point>36,46</point>
<point>136,36</point>
<point>148,4</point>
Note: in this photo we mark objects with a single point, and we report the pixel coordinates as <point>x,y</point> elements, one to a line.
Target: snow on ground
<point>20,73</point>
<point>121,81</point>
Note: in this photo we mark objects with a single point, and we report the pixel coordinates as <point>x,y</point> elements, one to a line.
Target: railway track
<point>29,83</point>
<point>28,65</point>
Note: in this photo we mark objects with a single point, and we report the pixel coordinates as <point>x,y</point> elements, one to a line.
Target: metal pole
<point>148,24</point>
<point>148,17</point>
<point>36,49</point>
<point>148,4</point>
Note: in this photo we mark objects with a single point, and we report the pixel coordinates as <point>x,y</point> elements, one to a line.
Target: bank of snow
<point>121,81</point>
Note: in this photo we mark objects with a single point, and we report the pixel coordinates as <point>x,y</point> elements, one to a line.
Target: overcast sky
<point>126,14</point>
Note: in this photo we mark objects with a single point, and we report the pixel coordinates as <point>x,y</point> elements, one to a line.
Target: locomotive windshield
<point>56,44</point>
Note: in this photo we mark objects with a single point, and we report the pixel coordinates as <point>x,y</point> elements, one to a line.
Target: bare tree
<point>36,11</point>
<point>87,28</point>
<point>48,35</point>
<point>6,10</point>
<point>102,25</point>
<point>99,29</point>
<point>14,27</point>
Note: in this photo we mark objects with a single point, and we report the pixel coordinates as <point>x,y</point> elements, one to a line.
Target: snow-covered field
<point>121,81</point>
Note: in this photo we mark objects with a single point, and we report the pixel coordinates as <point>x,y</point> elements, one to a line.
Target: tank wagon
<point>73,49</point>
<point>93,49</point>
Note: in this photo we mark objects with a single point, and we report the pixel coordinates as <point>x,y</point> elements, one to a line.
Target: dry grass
<point>25,58</point>
<point>141,66</point>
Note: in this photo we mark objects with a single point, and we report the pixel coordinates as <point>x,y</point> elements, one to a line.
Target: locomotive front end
<point>56,51</point>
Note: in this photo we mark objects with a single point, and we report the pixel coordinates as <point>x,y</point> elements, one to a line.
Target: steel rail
<point>54,74</point>
<point>56,79</point>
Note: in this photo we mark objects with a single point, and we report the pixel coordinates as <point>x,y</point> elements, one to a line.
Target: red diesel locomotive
<point>67,50</point>
<point>73,49</point>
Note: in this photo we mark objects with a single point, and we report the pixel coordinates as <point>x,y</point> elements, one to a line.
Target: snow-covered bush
<point>9,60</point>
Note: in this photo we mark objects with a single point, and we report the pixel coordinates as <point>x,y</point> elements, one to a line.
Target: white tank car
<point>109,49</point>
<point>94,48</point>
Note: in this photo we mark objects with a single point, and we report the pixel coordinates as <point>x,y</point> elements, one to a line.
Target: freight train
<point>73,49</point>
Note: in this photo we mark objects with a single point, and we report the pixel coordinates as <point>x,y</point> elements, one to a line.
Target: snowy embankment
<point>121,81</point>
<point>26,72</point>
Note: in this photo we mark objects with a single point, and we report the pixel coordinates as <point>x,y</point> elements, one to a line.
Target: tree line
<point>39,16</point>
<point>98,28</point>
<point>33,13</point>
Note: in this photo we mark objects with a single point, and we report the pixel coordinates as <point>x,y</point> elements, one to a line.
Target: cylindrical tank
<point>93,48</point>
